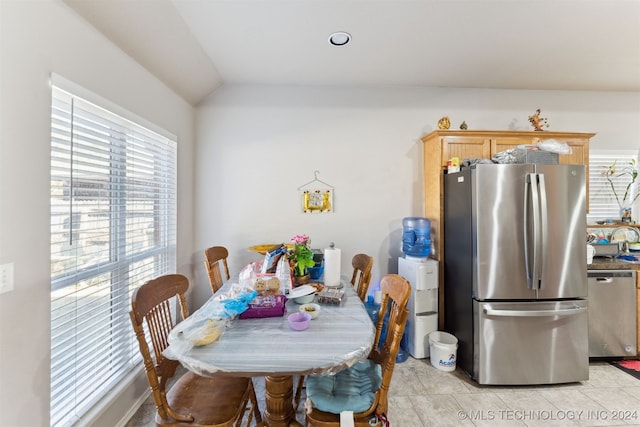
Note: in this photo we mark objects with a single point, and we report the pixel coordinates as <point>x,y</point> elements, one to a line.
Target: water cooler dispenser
<point>422,273</point>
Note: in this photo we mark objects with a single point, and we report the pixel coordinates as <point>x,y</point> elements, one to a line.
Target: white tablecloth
<point>339,337</point>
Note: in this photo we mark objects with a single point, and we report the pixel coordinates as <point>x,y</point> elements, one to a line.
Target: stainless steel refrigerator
<point>515,272</point>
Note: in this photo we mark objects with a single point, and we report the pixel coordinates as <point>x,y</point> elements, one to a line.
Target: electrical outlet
<point>6,277</point>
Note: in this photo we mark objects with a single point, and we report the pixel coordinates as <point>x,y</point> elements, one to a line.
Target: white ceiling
<point>194,46</point>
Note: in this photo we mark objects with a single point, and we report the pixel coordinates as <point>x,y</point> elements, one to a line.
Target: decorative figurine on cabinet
<point>538,122</point>
<point>444,123</point>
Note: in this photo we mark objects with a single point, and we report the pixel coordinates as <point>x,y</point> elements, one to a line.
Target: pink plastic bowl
<point>299,321</point>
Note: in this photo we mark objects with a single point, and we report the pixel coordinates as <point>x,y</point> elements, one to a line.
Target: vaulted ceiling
<point>195,46</point>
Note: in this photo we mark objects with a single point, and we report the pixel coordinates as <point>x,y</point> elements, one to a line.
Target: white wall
<point>256,145</point>
<point>37,38</point>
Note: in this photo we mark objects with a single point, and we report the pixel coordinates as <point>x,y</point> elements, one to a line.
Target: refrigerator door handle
<point>535,313</point>
<point>544,226</point>
<point>532,245</point>
<point>527,265</point>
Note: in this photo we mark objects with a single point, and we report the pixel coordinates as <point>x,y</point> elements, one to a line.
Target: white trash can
<point>443,348</point>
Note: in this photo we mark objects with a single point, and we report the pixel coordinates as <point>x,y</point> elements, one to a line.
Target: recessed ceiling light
<point>340,38</point>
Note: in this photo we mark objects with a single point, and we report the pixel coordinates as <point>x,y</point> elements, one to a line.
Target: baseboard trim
<point>131,412</point>
<point>119,405</point>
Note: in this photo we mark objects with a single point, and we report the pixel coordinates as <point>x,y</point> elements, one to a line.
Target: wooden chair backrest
<point>151,313</point>
<point>214,256</point>
<point>362,265</point>
<point>395,295</point>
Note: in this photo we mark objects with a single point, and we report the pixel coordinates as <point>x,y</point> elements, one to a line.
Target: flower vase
<point>625,214</point>
<point>301,280</point>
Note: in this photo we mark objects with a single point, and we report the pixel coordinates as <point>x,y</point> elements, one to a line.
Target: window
<point>113,227</point>
<point>602,202</point>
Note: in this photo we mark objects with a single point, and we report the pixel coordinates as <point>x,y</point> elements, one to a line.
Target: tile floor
<point>422,396</point>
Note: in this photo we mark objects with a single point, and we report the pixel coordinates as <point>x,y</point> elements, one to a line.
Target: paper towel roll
<point>332,266</point>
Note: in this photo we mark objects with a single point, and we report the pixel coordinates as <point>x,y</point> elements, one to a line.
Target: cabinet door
<point>464,147</point>
<point>579,156</point>
<point>504,143</point>
<point>579,150</point>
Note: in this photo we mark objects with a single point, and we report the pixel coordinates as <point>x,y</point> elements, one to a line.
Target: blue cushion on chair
<point>352,389</point>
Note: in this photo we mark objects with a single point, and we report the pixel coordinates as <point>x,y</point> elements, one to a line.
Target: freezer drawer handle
<point>535,313</point>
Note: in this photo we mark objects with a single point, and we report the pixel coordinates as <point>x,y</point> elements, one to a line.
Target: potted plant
<point>301,258</point>
<point>618,173</point>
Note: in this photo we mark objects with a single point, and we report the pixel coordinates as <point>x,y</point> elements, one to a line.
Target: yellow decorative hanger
<point>316,199</point>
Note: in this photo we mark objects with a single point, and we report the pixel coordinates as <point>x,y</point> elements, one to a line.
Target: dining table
<point>341,335</point>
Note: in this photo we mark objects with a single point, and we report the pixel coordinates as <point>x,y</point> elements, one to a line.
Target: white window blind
<point>602,202</point>
<point>113,227</point>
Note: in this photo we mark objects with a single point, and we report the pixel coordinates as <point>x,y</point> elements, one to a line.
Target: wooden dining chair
<point>360,280</point>
<point>214,257</point>
<point>395,295</point>
<point>362,264</point>
<point>192,400</point>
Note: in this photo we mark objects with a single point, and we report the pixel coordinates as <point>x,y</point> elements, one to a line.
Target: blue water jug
<point>372,309</point>
<point>403,354</point>
<point>416,236</point>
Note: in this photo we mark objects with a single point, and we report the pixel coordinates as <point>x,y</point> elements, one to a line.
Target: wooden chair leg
<point>296,399</point>
<point>254,405</point>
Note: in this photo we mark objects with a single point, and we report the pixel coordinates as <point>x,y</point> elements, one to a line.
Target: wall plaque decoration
<point>317,196</point>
